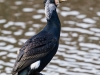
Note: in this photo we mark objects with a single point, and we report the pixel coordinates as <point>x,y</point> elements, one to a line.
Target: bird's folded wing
<point>34,50</point>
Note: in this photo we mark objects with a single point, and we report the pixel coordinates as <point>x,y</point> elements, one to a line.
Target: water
<point>79,49</point>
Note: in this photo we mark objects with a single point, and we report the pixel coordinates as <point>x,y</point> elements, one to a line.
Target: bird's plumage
<point>34,49</point>
<point>41,47</point>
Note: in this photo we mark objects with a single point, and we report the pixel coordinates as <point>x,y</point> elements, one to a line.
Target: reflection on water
<point>79,49</point>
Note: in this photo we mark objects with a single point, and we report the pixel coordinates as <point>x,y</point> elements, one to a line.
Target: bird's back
<point>36,48</point>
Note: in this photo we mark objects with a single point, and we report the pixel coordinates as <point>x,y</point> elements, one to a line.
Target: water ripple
<point>28,9</point>
<point>64,13</point>
<point>18,2</point>
<point>2,21</point>
<point>89,20</point>
<point>79,48</point>
<point>11,39</point>
<point>80,30</point>
<point>10,23</point>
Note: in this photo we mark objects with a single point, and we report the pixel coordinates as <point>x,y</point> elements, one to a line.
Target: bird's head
<point>50,6</point>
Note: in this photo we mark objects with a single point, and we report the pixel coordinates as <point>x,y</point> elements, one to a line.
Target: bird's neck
<point>53,24</point>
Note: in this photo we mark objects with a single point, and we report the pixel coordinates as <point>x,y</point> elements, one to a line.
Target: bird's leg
<point>39,73</point>
<point>32,72</point>
<point>23,72</point>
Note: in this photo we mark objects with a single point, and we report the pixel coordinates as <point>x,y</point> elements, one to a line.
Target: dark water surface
<point>79,49</point>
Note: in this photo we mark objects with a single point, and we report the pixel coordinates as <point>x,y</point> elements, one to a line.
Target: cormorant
<point>37,51</point>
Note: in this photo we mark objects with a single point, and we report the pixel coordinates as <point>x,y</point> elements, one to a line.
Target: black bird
<point>37,51</point>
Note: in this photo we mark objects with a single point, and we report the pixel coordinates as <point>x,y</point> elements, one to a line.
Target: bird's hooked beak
<point>57,2</point>
<point>62,0</point>
<point>50,7</point>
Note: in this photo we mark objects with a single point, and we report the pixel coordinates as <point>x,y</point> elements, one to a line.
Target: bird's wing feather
<point>33,50</point>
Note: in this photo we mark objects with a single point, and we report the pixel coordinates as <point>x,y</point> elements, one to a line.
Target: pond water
<point>79,48</point>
